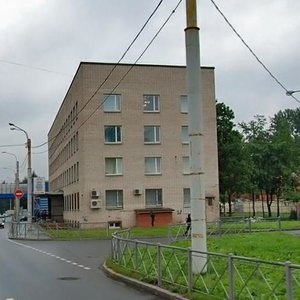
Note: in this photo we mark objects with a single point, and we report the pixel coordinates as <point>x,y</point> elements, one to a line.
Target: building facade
<point>119,148</point>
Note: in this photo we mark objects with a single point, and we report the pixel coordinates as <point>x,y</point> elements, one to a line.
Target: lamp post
<point>29,172</point>
<point>291,92</point>
<point>17,200</point>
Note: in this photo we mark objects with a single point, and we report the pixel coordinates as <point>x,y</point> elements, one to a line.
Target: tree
<point>233,168</point>
<point>25,178</point>
<point>273,153</point>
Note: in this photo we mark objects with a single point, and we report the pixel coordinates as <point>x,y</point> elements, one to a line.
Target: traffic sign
<point>19,194</point>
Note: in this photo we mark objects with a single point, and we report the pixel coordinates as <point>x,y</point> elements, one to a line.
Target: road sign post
<point>19,194</point>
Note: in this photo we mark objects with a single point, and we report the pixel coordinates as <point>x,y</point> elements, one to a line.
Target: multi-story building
<point>119,145</point>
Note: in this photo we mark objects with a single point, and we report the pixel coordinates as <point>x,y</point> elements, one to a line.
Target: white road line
<point>49,254</point>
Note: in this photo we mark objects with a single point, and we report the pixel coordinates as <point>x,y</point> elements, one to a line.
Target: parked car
<point>2,224</point>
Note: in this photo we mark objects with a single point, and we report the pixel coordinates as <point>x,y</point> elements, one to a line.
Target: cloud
<point>56,35</point>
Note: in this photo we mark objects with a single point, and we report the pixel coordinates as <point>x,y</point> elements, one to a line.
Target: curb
<point>153,289</point>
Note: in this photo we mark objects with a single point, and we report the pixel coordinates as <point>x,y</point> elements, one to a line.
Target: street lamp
<point>291,92</point>
<point>17,200</point>
<point>29,172</point>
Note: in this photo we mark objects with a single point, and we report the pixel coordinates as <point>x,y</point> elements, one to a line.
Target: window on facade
<point>113,166</point>
<point>151,134</point>
<point>184,107</point>
<point>209,200</point>
<point>112,134</point>
<point>114,199</point>
<point>151,103</point>
<point>152,165</point>
<point>186,197</point>
<point>185,164</point>
<point>184,134</point>
<point>112,103</point>
<point>154,197</point>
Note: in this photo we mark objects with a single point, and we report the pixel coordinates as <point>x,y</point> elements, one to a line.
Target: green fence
<point>220,277</point>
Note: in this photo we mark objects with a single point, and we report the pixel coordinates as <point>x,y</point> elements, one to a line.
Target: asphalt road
<point>44,270</point>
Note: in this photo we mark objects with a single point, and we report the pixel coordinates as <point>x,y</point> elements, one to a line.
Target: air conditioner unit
<point>94,194</point>
<point>137,192</point>
<point>96,204</point>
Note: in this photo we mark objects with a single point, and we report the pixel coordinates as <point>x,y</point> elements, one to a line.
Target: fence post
<point>159,264</point>
<point>219,227</point>
<point>279,223</point>
<point>136,254</point>
<point>231,276</point>
<point>289,281</point>
<point>249,223</point>
<point>190,273</point>
<point>118,250</point>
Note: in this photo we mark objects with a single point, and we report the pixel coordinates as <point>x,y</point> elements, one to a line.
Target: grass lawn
<point>273,246</point>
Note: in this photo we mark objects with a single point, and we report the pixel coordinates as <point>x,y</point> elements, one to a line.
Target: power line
<point>15,145</point>
<point>32,67</point>
<point>111,71</point>
<point>131,67</point>
<point>251,51</point>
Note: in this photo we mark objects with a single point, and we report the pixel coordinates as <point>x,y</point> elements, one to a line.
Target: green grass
<point>102,233</point>
<point>141,232</point>
<point>270,246</point>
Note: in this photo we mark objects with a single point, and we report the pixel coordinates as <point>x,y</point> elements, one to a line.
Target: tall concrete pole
<point>194,91</point>
<point>29,182</point>
<point>17,200</point>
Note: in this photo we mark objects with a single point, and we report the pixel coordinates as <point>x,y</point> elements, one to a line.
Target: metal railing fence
<point>26,230</point>
<point>235,226</point>
<point>225,276</point>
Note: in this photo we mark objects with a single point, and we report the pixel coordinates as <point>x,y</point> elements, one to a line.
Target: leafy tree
<point>25,178</point>
<point>274,155</point>
<point>233,168</point>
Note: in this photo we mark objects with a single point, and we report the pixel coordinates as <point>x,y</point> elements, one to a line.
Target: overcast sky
<point>56,35</point>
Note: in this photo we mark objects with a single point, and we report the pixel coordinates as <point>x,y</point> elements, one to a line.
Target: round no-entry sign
<point>19,194</point>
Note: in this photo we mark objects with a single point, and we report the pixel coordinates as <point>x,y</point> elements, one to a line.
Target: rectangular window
<point>112,134</point>
<point>113,166</point>
<point>184,134</point>
<point>112,103</point>
<point>184,107</point>
<point>186,165</point>
<point>114,199</point>
<point>151,134</point>
<point>154,197</point>
<point>210,200</point>
<point>186,197</point>
<point>152,165</point>
<point>151,103</point>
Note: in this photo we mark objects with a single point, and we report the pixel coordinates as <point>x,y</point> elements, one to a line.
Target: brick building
<point>118,147</point>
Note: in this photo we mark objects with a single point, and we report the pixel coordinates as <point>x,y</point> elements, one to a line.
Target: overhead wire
<point>123,77</point>
<point>114,67</point>
<point>32,67</point>
<point>251,51</point>
<point>14,145</point>
<point>131,67</point>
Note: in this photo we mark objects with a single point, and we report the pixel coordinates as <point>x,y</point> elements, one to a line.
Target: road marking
<point>49,254</point>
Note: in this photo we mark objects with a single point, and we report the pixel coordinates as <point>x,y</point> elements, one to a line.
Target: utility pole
<point>17,200</point>
<point>29,182</point>
<point>194,91</point>
<point>29,171</point>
